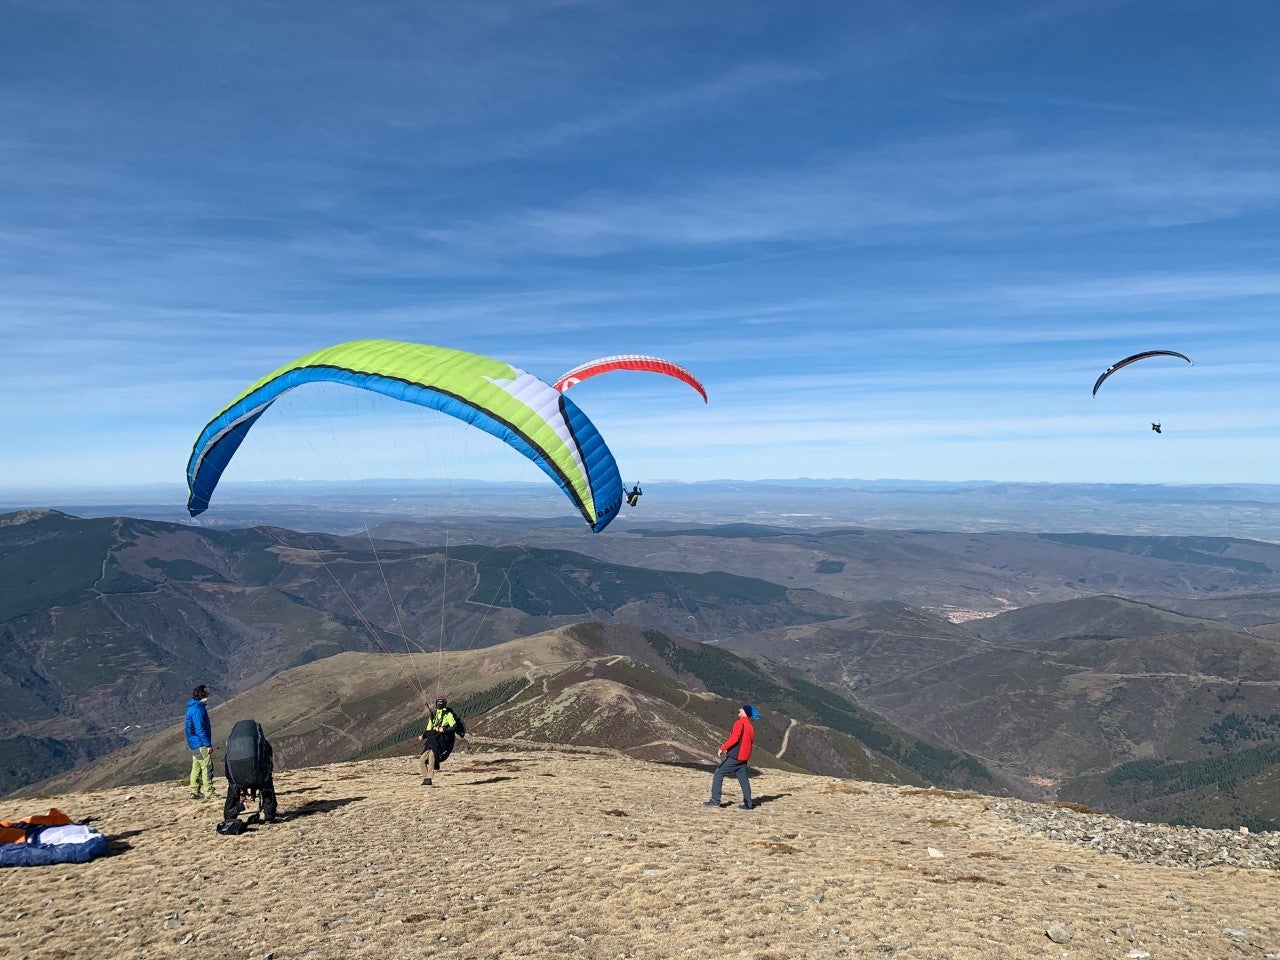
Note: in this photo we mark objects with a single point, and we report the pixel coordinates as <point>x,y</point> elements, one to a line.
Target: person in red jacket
<point>734,754</point>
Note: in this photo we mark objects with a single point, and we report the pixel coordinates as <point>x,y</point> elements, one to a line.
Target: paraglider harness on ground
<point>248,766</point>
<point>441,741</point>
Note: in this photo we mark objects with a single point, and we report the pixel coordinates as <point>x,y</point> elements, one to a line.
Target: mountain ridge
<point>638,692</point>
<point>150,609</point>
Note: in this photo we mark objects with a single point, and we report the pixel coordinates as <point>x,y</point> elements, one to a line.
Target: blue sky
<point>892,239</point>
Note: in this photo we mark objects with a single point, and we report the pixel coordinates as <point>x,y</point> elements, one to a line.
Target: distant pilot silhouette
<point>1156,428</point>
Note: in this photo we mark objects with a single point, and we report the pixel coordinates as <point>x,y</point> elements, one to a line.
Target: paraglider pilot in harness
<point>633,495</point>
<point>249,769</point>
<point>443,725</point>
<point>1156,427</point>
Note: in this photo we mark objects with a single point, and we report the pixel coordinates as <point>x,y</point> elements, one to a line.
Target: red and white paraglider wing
<point>628,362</point>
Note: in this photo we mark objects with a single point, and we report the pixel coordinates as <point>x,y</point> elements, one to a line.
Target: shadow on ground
<point>756,801</point>
<point>319,806</point>
<point>118,843</point>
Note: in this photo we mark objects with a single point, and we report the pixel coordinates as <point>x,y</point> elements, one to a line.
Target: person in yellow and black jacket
<point>443,725</point>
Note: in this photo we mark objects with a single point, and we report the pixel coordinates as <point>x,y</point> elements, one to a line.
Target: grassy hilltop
<point>546,851</point>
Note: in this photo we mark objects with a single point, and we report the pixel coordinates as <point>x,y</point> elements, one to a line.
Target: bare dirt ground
<point>519,851</point>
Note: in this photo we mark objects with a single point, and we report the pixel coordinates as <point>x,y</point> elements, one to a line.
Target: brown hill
<point>1061,690</point>
<point>1241,787</point>
<point>105,623</point>
<point>943,572</point>
<point>889,640</point>
<point>1249,609</point>
<point>573,852</point>
<point>587,685</point>
<point>1087,704</point>
<point>1085,618</point>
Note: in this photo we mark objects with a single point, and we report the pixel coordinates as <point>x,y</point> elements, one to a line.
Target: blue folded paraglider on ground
<point>31,843</point>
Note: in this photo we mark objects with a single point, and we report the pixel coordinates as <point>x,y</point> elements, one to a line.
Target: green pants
<point>202,772</point>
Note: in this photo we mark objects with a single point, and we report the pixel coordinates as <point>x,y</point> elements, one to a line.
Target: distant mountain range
<point>1242,509</point>
<point>1110,650</point>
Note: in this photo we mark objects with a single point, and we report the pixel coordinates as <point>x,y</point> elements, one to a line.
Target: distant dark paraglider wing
<point>628,362</point>
<point>1134,359</point>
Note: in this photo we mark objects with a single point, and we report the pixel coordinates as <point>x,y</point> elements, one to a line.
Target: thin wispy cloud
<point>1144,290</point>
<point>648,109</point>
<point>890,241</point>
<point>972,186</point>
<point>1038,102</point>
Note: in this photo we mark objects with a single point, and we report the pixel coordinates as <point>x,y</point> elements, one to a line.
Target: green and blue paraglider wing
<point>512,405</point>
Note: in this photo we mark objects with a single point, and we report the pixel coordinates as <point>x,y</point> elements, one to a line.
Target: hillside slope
<point>1239,788</point>
<point>640,692</point>
<point>946,573</point>
<point>107,624</point>
<point>1061,690</point>
<point>112,620</point>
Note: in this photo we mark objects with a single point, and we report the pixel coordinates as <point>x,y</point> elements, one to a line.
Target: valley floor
<point>526,852</point>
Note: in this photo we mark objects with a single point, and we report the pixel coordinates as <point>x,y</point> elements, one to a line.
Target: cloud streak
<point>916,234</point>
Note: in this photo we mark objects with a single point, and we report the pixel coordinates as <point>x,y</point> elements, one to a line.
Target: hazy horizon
<point>1250,511</point>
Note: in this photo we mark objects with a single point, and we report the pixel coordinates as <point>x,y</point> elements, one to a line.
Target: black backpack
<point>459,727</point>
<point>248,755</point>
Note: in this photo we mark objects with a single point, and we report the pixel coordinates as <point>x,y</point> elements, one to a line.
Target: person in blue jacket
<point>200,741</point>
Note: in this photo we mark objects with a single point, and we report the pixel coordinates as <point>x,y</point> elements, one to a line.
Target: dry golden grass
<point>608,858</point>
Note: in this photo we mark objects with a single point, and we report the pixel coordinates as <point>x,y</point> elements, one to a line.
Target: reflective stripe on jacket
<point>442,718</point>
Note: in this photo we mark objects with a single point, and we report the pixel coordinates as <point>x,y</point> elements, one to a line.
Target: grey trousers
<point>731,766</point>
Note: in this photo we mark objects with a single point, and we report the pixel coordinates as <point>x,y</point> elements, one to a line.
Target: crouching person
<point>248,767</point>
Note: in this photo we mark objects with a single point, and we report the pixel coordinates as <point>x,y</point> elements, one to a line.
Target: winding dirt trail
<point>786,736</point>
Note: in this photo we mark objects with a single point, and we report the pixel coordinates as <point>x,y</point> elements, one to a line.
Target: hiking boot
<point>712,803</point>
<point>746,806</point>
<point>426,781</point>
